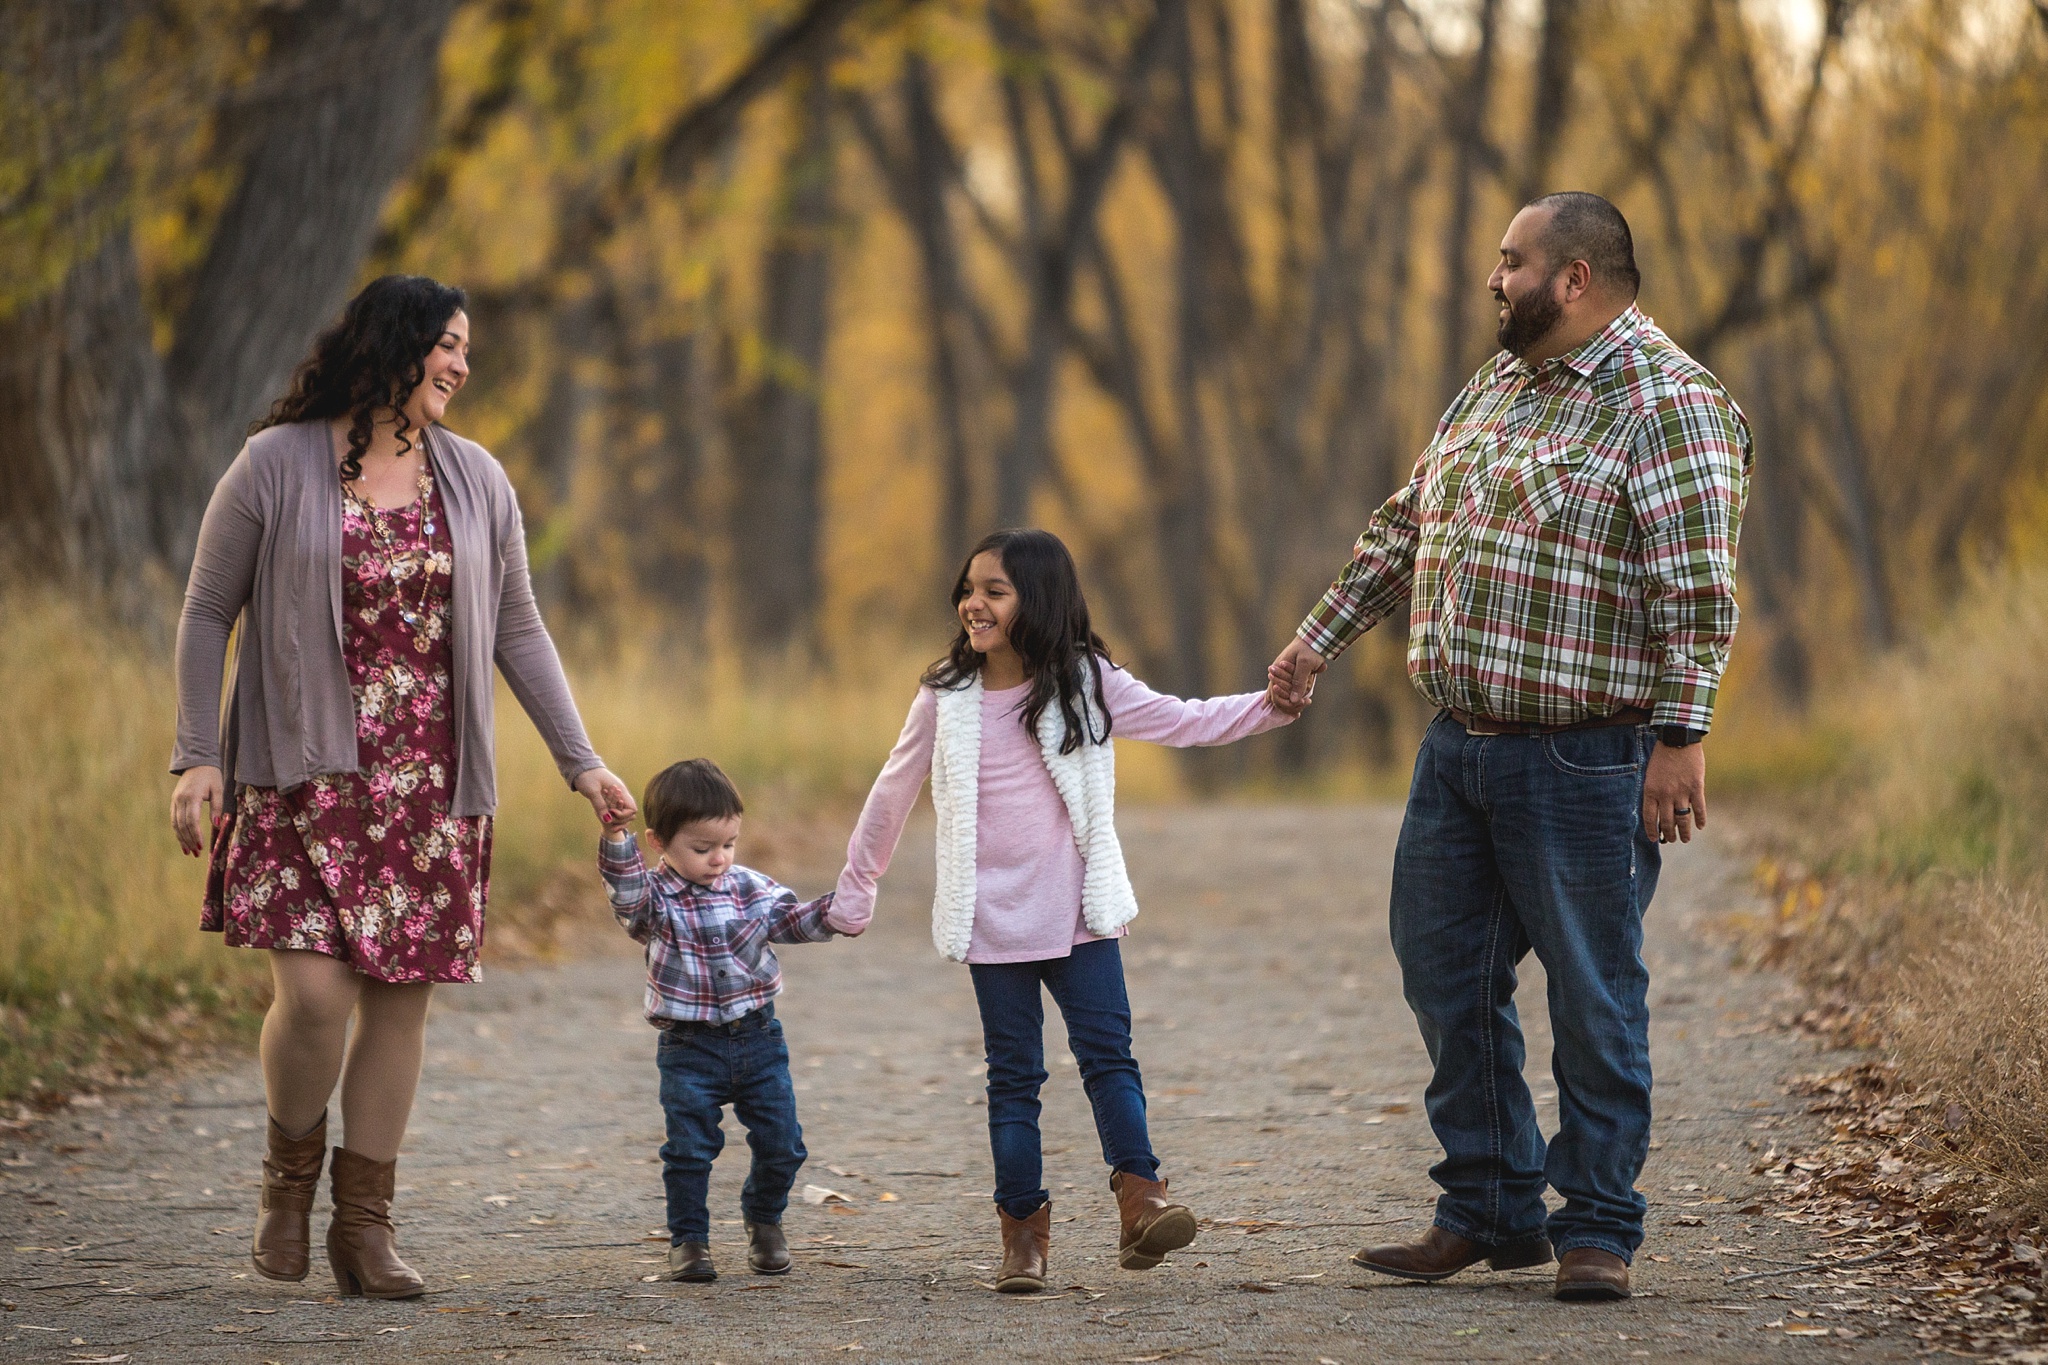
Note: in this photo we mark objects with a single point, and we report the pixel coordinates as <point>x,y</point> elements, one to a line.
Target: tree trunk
<point>338,109</point>
<point>1551,99</point>
<point>1774,548</point>
<point>779,455</point>
<point>1466,120</point>
<point>78,381</point>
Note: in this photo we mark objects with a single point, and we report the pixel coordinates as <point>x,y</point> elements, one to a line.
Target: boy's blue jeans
<point>1088,986</point>
<point>744,1064</point>
<point>1513,843</point>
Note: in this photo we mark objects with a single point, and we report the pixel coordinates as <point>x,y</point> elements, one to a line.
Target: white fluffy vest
<point>1086,781</point>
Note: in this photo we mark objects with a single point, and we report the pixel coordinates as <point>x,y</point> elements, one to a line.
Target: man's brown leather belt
<point>1486,725</point>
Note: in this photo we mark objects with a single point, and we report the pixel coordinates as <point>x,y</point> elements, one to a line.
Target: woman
<point>377,566</point>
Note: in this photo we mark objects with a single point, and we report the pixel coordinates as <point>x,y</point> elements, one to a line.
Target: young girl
<point>1014,727</point>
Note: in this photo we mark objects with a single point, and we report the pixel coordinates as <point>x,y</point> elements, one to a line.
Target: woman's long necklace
<point>422,546</point>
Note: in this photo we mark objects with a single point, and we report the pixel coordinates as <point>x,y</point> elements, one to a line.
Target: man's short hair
<point>1585,227</point>
<point>684,793</point>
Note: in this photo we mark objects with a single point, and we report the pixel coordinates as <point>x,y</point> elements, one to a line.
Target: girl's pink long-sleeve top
<point>1028,871</point>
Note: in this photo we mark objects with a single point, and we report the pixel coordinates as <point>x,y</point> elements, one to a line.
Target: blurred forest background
<point>779,304</point>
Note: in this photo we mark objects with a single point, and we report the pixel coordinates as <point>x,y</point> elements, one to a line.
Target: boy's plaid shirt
<point>1567,540</point>
<point>708,959</point>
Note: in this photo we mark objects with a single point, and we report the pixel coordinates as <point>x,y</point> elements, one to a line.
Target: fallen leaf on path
<point>501,1200</point>
<point>1806,1331</point>
<point>265,1311</point>
<point>818,1194</point>
<point>887,1198</point>
<point>844,1265</point>
<point>1689,1221</point>
<point>235,1329</point>
<point>387,1331</point>
<point>846,1174</point>
<point>850,1346</point>
<point>98,1360</point>
<point>1255,1287</point>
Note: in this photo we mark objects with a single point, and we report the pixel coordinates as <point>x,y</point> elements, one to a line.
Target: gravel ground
<point>1285,1077</point>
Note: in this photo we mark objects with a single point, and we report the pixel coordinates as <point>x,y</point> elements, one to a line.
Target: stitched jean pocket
<point>1570,752</point>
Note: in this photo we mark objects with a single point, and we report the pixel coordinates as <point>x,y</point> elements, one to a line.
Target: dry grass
<point>1970,1015</point>
<point>97,908</point>
<point>1908,895</point>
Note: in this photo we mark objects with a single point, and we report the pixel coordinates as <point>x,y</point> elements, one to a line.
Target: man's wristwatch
<point>1678,736</point>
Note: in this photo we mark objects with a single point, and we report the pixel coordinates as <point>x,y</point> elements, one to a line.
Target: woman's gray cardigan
<point>270,553</point>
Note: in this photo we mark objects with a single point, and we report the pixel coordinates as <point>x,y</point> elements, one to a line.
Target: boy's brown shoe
<point>1589,1275</point>
<point>767,1249</point>
<point>1026,1243</point>
<point>690,1262</point>
<point>1440,1255</point>
<point>1152,1227</point>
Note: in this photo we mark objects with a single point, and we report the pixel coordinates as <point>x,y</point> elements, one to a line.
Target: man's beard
<point>1530,318</point>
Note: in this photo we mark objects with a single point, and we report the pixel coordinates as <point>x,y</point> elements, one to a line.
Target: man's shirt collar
<point>1584,360</point>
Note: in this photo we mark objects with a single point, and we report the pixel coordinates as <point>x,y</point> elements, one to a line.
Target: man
<point>1568,539</point>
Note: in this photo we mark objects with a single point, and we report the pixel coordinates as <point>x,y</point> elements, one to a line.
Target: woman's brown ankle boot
<point>291,1178</point>
<point>361,1245</point>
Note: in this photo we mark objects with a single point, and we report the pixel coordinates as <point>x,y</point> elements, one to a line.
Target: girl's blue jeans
<point>1088,986</point>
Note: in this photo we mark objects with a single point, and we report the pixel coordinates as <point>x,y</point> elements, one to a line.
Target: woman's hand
<point>197,788</point>
<point>607,796</point>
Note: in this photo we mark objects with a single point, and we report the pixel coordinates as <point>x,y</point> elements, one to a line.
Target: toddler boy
<point>711,984</point>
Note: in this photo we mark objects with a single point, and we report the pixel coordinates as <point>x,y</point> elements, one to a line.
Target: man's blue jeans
<point>1513,843</point>
<point>744,1064</point>
<point>1088,986</point>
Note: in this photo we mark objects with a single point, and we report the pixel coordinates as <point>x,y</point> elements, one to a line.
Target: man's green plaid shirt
<point>1567,541</point>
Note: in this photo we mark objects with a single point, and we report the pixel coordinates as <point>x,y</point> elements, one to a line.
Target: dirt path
<point>1285,1076</point>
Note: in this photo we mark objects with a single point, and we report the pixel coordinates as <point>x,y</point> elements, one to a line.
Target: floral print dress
<point>371,867</point>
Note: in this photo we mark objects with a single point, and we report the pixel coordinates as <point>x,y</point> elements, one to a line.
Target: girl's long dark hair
<point>369,362</point>
<point>1050,632</point>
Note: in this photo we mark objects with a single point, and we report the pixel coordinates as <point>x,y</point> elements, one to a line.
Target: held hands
<point>608,797</point>
<point>1675,793</point>
<point>199,790</point>
<point>1291,678</point>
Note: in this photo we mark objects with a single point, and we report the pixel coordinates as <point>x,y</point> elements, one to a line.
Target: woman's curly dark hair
<point>1062,654</point>
<point>370,361</point>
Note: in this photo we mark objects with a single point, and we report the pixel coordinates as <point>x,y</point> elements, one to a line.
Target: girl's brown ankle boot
<point>361,1245</point>
<point>291,1178</point>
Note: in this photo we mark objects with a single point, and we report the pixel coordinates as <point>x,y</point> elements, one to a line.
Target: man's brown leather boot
<point>1589,1275</point>
<point>361,1244</point>
<point>282,1247</point>
<point>1152,1227</point>
<point>1440,1255</point>
<point>1026,1243</point>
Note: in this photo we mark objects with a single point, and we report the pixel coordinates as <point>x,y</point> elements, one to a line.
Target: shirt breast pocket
<point>1443,474</point>
<point>1542,480</point>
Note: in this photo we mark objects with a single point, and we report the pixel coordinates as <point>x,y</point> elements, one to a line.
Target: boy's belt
<point>1486,725</point>
<point>752,1019</point>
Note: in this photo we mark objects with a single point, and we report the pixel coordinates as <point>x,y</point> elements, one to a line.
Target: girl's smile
<point>989,605</point>
<point>987,608</point>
